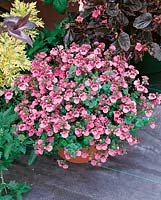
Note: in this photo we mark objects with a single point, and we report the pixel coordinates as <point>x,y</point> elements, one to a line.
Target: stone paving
<point>135,176</point>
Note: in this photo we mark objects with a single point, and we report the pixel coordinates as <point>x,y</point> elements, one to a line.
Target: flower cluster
<point>84,97</point>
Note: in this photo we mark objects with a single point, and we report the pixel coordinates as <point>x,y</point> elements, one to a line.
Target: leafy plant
<point>124,23</point>
<point>47,39</point>
<point>59,5</point>
<point>11,147</point>
<point>12,190</point>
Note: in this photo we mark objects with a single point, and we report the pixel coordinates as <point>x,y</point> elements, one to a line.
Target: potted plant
<point>84,102</point>
<point>134,27</point>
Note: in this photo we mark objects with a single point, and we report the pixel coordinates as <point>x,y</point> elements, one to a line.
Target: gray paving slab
<point>135,176</point>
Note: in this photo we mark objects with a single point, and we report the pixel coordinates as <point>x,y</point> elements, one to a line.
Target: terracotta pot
<point>79,159</point>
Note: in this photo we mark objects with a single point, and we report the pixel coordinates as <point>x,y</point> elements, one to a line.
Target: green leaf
<point>19,197</point>
<point>125,91</point>
<point>139,123</point>
<point>106,88</point>
<point>87,140</point>
<point>7,118</point>
<point>32,158</point>
<point>128,121</point>
<point>6,197</point>
<point>7,150</point>
<point>60,5</point>
<point>48,1</point>
<point>72,69</point>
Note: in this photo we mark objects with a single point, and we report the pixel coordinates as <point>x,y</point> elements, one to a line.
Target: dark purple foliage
<point>16,26</point>
<point>128,22</point>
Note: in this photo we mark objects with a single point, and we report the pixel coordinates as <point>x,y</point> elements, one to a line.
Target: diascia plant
<point>81,97</point>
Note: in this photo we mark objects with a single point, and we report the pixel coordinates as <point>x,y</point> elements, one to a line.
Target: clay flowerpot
<point>80,159</point>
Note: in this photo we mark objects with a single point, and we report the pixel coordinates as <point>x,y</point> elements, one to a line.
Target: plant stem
<point>3,182</point>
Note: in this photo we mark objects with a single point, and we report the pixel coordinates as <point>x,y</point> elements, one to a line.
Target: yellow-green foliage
<point>21,9</point>
<point>12,59</point>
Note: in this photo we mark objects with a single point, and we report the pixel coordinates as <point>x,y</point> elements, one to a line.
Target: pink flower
<point>141,88</point>
<point>22,127</point>
<point>96,13</point>
<point>116,113</point>
<point>88,82</point>
<point>59,163</point>
<point>8,95</point>
<point>39,151</point>
<point>148,113</point>
<point>23,86</point>
<point>137,82</point>
<point>68,107</point>
<point>126,109</point>
<point>138,47</point>
<point>65,166</point>
<point>58,99</point>
<point>112,48</point>
<point>67,126</point>
<point>105,109</point>
<point>94,87</point>
<point>104,147</point>
<point>113,99</point>
<point>85,132</point>
<point>112,152</point>
<point>84,155</point>
<point>43,124</point>
<point>108,140</point>
<point>49,147</point>
<point>152,96</point>
<point>93,162</point>
<point>78,132</point>
<point>83,96</point>
<point>79,19</point>
<point>107,131</point>
<point>152,125</point>
<point>103,159</point>
<point>64,134</point>
<point>78,153</point>
<point>50,139</point>
<point>49,108</point>
<point>97,156</point>
<point>39,142</point>
<point>76,100</point>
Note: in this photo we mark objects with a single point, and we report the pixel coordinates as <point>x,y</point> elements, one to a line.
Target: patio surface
<point>135,176</point>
